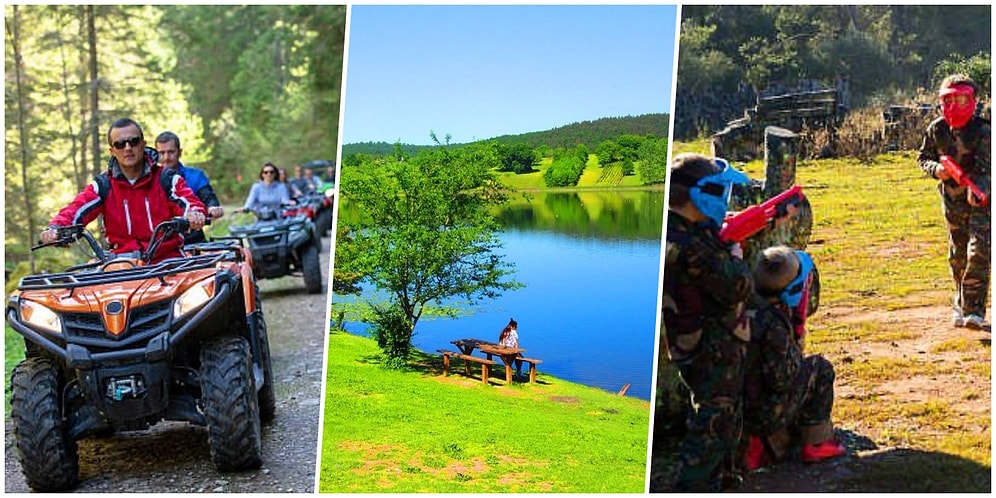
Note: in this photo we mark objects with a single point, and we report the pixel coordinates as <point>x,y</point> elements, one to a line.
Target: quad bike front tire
<point>231,408</point>
<point>266,396</point>
<point>48,456</point>
<point>311,267</point>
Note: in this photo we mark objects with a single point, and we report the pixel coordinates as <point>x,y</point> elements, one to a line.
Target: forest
<point>590,133</point>
<point>240,85</point>
<point>887,54</point>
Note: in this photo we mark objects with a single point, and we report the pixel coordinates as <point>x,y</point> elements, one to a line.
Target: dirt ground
<point>174,457</point>
<point>877,459</point>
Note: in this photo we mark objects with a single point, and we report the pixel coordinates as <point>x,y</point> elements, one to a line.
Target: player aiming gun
<point>738,227</point>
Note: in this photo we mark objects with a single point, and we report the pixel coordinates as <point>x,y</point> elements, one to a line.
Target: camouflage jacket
<point>774,358</point>
<point>974,156</point>
<point>705,287</point>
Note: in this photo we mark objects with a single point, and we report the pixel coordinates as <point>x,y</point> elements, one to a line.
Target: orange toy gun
<point>958,175</point>
<point>755,218</point>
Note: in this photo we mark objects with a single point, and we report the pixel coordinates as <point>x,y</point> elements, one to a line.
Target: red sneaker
<point>812,453</point>
<point>756,457</point>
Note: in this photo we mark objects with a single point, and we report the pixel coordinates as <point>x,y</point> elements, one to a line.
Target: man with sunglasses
<point>134,195</point>
<point>784,391</point>
<point>965,137</point>
<point>168,146</point>
<point>705,289</point>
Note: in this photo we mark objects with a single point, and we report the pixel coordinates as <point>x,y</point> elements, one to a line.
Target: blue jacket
<point>199,183</point>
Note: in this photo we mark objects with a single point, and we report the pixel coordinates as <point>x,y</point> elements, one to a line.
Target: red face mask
<point>957,104</point>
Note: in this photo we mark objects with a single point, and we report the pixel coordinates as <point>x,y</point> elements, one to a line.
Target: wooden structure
<point>741,139</point>
<point>490,349</point>
<point>467,360</point>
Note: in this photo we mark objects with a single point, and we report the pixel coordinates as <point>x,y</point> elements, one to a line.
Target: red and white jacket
<point>132,210</point>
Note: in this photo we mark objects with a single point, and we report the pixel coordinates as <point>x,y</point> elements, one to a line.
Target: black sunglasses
<point>269,171</point>
<point>133,141</point>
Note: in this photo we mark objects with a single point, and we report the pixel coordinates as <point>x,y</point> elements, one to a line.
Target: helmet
<point>711,194</point>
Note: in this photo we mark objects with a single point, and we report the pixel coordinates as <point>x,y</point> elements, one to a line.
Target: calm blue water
<point>588,309</point>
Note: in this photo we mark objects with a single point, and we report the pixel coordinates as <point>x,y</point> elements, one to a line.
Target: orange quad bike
<point>120,344</point>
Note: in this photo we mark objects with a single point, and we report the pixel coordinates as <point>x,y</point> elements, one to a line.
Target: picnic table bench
<point>467,360</point>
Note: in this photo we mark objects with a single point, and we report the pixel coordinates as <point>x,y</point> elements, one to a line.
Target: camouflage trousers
<point>968,250</point>
<point>809,403</point>
<point>714,375</point>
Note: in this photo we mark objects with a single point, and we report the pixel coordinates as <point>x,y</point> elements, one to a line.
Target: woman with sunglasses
<point>268,192</point>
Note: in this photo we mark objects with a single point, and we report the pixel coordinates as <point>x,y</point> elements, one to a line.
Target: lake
<point>590,263</point>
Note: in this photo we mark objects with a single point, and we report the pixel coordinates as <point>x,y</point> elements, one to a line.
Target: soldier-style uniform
<point>784,390</point>
<point>705,289</point>
<point>968,226</point>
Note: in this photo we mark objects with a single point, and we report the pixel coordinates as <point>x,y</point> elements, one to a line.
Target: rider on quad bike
<point>143,332</point>
<point>123,342</point>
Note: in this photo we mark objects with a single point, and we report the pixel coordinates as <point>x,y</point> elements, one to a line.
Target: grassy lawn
<point>416,431</point>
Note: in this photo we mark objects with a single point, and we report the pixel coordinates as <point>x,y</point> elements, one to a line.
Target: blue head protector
<point>711,194</point>
<point>793,292</point>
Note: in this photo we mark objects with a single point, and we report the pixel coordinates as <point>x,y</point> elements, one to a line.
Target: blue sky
<point>478,72</point>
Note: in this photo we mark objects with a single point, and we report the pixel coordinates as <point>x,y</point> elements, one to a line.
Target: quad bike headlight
<point>330,192</point>
<point>40,316</point>
<point>193,298</point>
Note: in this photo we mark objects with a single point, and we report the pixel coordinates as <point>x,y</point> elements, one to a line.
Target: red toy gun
<point>958,175</point>
<point>755,218</point>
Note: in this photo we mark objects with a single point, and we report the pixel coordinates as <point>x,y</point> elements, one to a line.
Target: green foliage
<point>878,48</point>
<point>421,230</point>
<point>978,67</point>
<point>564,172</point>
<point>653,165</point>
<point>393,332</point>
<point>608,152</point>
<point>518,158</point>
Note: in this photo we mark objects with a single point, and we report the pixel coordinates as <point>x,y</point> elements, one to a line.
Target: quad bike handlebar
<point>68,235</point>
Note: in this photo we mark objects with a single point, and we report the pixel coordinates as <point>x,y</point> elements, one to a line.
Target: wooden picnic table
<point>507,354</point>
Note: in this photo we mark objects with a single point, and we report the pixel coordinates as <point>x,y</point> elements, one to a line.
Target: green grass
<point>414,431</point>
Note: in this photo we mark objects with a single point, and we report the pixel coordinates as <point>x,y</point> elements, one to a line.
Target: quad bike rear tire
<point>231,408</point>
<point>311,267</point>
<point>324,223</point>
<point>48,456</point>
<point>266,396</point>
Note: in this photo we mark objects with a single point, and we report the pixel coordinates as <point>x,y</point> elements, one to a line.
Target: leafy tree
<point>564,172</point>
<point>518,158</point>
<point>653,161</point>
<point>608,152</point>
<point>425,236</point>
<point>582,152</point>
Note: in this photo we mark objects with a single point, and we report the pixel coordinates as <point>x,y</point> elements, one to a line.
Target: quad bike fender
<point>248,289</point>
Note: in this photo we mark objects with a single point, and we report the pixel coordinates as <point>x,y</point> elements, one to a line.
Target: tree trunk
<point>22,130</point>
<point>781,151</point>
<point>67,113</point>
<point>94,88</point>
<point>81,70</point>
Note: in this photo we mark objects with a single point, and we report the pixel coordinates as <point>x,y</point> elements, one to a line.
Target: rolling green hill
<point>590,133</point>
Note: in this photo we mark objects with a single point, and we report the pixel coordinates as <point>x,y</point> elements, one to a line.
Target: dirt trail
<point>174,457</point>
<point>872,463</point>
